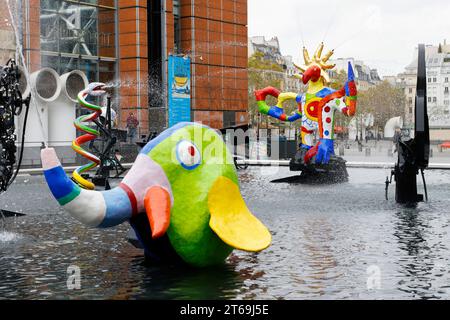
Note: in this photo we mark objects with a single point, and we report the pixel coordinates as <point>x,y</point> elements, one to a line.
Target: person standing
<point>132,124</point>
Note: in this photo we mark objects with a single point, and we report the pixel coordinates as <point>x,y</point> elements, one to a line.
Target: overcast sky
<point>383,33</point>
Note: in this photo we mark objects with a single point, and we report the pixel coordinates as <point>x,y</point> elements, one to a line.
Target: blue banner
<point>179,83</point>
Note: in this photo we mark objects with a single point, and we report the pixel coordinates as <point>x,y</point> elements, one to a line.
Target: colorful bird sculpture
<point>181,195</point>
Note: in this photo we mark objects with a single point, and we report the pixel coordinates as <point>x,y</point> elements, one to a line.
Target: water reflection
<point>178,282</point>
<point>320,257</point>
<point>417,263</point>
<point>143,280</point>
<point>324,239</point>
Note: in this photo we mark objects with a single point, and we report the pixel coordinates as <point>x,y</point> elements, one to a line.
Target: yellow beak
<point>232,221</point>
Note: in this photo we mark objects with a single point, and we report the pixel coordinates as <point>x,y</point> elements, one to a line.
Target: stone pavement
<point>381,151</point>
<point>373,151</point>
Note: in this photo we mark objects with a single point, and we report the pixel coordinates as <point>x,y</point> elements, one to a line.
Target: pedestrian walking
<point>132,124</point>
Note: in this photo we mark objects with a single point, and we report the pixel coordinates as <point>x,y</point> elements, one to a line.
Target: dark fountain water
<point>326,241</point>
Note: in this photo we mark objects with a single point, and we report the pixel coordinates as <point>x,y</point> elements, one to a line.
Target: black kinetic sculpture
<point>11,106</point>
<point>413,154</point>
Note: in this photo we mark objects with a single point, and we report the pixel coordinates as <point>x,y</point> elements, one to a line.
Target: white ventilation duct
<point>46,87</point>
<point>24,86</point>
<point>62,111</point>
<point>391,126</point>
<point>25,90</point>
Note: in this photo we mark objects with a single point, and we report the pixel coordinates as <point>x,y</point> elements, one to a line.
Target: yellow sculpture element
<point>319,61</point>
<point>232,221</point>
<point>285,96</point>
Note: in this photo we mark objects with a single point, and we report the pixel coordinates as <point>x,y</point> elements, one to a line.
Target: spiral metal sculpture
<point>81,123</point>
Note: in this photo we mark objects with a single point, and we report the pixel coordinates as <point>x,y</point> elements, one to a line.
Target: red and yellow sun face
<point>316,65</point>
<point>311,109</point>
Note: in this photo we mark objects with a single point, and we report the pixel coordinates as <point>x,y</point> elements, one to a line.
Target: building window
<point>434,80</point>
<point>177,25</point>
<point>434,99</point>
<point>446,90</point>
<point>410,90</point>
<point>446,79</point>
<point>410,101</point>
<point>429,99</point>
<point>410,110</point>
<point>429,80</point>
<point>79,35</point>
<point>229,119</point>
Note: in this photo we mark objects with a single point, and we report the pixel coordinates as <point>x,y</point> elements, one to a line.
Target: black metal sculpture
<point>11,106</point>
<point>335,171</point>
<point>107,150</point>
<point>413,154</point>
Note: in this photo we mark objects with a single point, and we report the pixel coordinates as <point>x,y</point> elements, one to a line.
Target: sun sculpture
<point>181,197</point>
<point>316,107</point>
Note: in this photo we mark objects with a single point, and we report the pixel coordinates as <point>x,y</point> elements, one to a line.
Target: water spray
<point>19,53</point>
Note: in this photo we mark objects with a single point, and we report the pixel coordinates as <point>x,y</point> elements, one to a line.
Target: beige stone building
<point>438,90</point>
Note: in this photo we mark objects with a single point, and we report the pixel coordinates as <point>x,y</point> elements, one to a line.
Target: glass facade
<point>177,25</point>
<point>79,35</point>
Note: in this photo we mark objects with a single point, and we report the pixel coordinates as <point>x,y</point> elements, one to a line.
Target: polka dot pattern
<point>327,116</point>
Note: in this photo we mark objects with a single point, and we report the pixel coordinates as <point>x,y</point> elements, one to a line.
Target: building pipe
<point>193,64</point>
<point>25,91</point>
<point>24,86</point>
<point>46,86</point>
<point>138,68</point>
<point>62,111</point>
<point>164,64</point>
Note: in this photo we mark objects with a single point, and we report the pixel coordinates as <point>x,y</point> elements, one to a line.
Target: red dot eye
<point>191,151</point>
<point>188,155</point>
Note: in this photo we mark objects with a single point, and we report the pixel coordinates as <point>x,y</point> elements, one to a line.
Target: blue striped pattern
<point>60,185</point>
<point>295,117</point>
<point>325,92</point>
<point>164,135</point>
<point>118,207</point>
<point>275,112</point>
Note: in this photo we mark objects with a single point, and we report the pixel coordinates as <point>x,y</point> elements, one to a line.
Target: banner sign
<point>179,82</point>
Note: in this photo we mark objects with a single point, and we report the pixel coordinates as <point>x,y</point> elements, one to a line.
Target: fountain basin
<point>326,242</point>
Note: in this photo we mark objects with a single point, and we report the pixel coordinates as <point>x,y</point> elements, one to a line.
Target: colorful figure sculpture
<point>316,107</point>
<point>181,197</point>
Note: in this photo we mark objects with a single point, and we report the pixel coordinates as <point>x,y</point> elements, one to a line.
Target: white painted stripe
<point>144,175</point>
<point>89,208</point>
